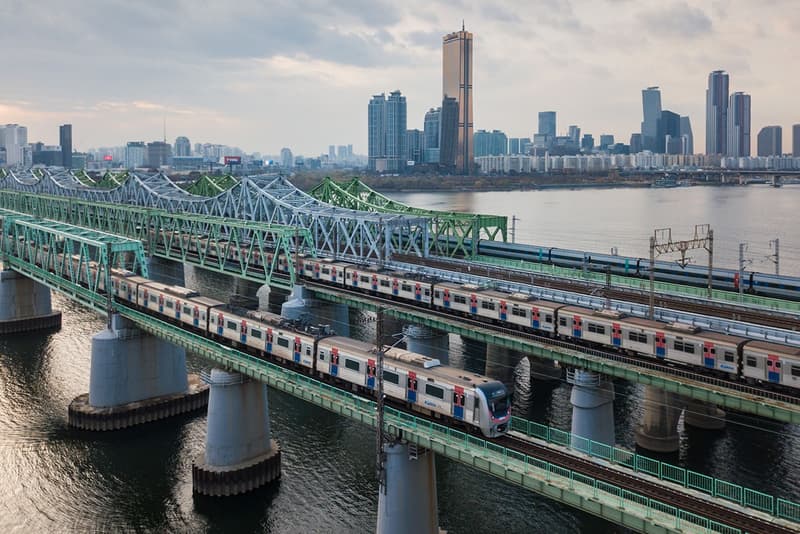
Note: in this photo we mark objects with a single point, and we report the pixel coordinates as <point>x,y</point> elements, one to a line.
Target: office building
<point>668,138</point>
<point>687,137</point>
<point>135,154</point>
<point>717,113</point>
<point>769,142</point>
<point>796,140</point>
<point>547,124</point>
<point>575,134</point>
<point>14,138</point>
<point>457,84</point>
<point>432,127</point>
<point>448,142</point>
<point>606,140</point>
<point>636,143</point>
<point>183,148</point>
<point>65,141</point>
<point>49,156</point>
<point>158,154</point>
<point>331,153</point>
<point>386,126</point>
<point>515,145</point>
<point>494,143</point>
<point>414,146</point>
<point>287,158</point>
<point>739,125</point>
<point>341,153</point>
<point>651,107</point>
<point>587,143</point>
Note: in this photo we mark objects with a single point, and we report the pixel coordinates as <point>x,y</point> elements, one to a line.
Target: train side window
<point>519,312</point>
<point>596,328</point>
<point>170,304</point>
<point>405,287</point>
<point>751,361</point>
<point>637,337</point>
<point>688,348</point>
<point>231,325</point>
<point>427,292</point>
<point>255,333</point>
<point>322,356</point>
<point>153,298</point>
<point>777,365</point>
<point>283,342</point>
<point>729,357</point>
<point>384,283</point>
<point>365,279</point>
<point>437,294</point>
<point>326,271</point>
<point>187,310</point>
<point>391,377</point>
<point>353,365</point>
<point>459,299</point>
<point>548,318</point>
<point>562,321</point>
<point>308,351</point>
<point>434,391</point>
<point>486,305</point>
<point>796,370</point>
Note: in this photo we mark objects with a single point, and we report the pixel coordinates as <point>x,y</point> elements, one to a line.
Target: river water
<point>60,480</point>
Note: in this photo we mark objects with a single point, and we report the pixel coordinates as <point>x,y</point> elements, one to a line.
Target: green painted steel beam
<point>448,231</point>
<point>208,242</point>
<point>713,394</point>
<point>212,185</point>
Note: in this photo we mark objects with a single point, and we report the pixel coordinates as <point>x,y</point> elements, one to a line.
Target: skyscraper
<point>796,140</point>
<point>636,143</point>
<point>717,113</point>
<point>457,84</point>
<point>287,158</point>
<point>158,154</point>
<point>415,141</point>
<point>386,124</point>
<point>739,125</point>
<point>575,134</point>
<point>14,138</point>
<point>65,140</point>
<point>651,107</point>
<point>770,142</point>
<point>547,124</point>
<point>183,148</point>
<point>448,144</point>
<point>135,154</point>
<point>432,128</point>
<point>668,139</point>
<point>687,137</point>
<point>376,130</point>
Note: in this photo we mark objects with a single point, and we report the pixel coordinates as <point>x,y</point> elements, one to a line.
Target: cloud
<point>677,20</point>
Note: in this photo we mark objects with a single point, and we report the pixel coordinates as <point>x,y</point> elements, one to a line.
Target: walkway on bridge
<point>452,233</point>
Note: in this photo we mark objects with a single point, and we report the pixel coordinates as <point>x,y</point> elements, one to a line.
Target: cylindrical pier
<point>409,501</point>
<point>703,415</point>
<point>25,305</point>
<point>658,431</point>
<point>592,401</point>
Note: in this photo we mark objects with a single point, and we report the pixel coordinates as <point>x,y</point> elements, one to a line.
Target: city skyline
<point>226,90</point>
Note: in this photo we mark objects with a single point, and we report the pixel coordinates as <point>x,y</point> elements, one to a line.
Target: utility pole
<point>742,249</point>
<point>775,257</point>
<point>514,220</point>
<point>380,460</point>
<point>109,292</point>
<point>608,287</point>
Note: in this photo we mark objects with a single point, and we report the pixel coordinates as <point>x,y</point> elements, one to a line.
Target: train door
<point>577,326</point>
<point>417,292</point>
<point>736,281</point>
<point>354,279</point>
<point>473,303</point>
<point>503,310</point>
<point>374,282</point>
<point>535,316</point>
<point>243,332</point>
<point>395,287</point>
<point>773,368</point>
<point>177,309</point>
<point>334,361</point>
<point>661,345</point>
<point>316,271</point>
<point>298,347</point>
<point>709,355</point>
<point>268,342</point>
<point>446,298</point>
<point>458,402</point>
<point>616,334</point>
<point>160,303</point>
<point>146,298</point>
<point>371,374</point>
<point>220,323</point>
<point>196,317</point>
<point>412,386</point>
<point>627,266</point>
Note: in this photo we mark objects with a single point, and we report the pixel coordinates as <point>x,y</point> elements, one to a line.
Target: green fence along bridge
<point>26,240</point>
<point>451,233</point>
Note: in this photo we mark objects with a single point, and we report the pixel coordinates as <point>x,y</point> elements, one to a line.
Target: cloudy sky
<point>299,73</point>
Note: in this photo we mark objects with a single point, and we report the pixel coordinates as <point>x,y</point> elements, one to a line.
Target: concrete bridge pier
<point>658,431</point>
<point>25,304</point>
<point>427,341</point>
<point>135,378</point>
<point>166,271</point>
<point>240,453</point>
<point>592,401</point>
<point>300,306</point>
<point>703,415</point>
<point>409,501</point>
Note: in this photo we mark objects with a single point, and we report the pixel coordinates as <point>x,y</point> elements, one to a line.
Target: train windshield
<point>497,397</point>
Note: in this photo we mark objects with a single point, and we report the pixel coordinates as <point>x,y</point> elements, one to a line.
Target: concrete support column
<point>409,503</point>
<point>166,271</point>
<point>658,431</point>
<point>134,378</point>
<point>592,401</point>
<point>298,305</point>
<point>25,304</point>
<point>240,455</point>
<point>703,415</point>
<point>427,341</point>
<point>262,295</point>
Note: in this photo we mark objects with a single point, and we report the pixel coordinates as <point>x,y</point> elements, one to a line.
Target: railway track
<point>764,318</point>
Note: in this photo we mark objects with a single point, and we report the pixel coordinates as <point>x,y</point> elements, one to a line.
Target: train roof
<point>415,362</point>
<point>177,291</point>
<point>208,301</point>
<point>136,279</point>
<point>461,287</point>
<point>767,346</point>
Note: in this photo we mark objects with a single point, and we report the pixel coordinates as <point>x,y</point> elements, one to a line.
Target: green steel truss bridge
<point>448,231</point>
<point>26,240</point>
<point>212,185</point>
<point>270,199</point>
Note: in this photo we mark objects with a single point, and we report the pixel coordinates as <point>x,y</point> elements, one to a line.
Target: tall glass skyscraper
<point>739,125</point>
<point>457,84</point>
<point>651,107</point>
<point>717,113</point>
<point>65,140</point>
<point>547,124</point>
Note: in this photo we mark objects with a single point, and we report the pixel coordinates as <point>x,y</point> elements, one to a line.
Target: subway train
<point>767,285</point>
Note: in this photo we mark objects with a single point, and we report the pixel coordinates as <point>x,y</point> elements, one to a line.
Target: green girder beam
<point>720,396</point>
<point>209,242</point>
<point>449,231</point>
<point>212,185</point>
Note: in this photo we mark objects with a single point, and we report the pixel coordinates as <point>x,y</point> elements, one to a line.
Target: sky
<point>263,75</point>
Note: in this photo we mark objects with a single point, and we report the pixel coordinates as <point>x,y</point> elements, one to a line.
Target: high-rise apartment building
<point>587,143</point>
<point>386,126</point>
<point>547,124</point>
<point>739,125</point>
<point>183,148</point>
<point>376,130</point>
<point>636,143</point>
<point>687,137</point>
<point>796,140</point>
<point>770,141</point>
<point>158,154</point>
<point>575,134</point>
<point>14,138</point>
<point>65,140</point>
<point>717,113</point>
<point>414,145</point>
<point>457,84</point>
<point>651,107</point>
<point>494,143</point>
<point>432,127</point>
<point>135,154</point>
